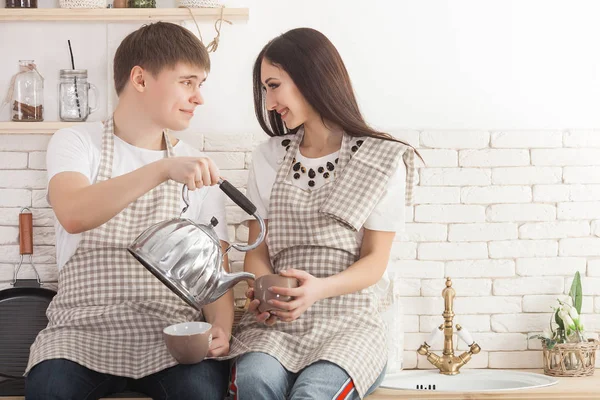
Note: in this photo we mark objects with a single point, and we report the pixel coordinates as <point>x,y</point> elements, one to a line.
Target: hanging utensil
<point>22,308</point>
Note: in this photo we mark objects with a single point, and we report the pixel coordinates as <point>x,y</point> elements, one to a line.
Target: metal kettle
<point>187,257</point>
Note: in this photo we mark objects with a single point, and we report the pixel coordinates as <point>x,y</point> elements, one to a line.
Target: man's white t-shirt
<point>78,149</point>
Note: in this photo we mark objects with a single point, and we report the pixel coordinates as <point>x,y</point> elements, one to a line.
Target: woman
<point>331,190</point>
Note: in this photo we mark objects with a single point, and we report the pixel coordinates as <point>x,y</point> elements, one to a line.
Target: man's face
<point>173,95</point>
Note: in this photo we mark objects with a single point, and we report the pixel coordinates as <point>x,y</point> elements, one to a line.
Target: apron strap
<point>108,146</point>
<point>362,182</point>
<point>107,151</point>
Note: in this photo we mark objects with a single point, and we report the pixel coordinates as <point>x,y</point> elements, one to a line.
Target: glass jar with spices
<point>27,93</point>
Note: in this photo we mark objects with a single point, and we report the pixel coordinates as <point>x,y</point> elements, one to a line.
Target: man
<point>107,183</point>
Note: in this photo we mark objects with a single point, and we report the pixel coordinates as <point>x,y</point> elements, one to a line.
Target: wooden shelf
<point>118,14</point>
<point>26,128</point>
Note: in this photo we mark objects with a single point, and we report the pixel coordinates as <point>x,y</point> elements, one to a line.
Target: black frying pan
<point>22,310</point>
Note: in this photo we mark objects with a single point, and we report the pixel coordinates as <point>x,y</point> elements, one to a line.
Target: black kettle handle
<point>237,197</point>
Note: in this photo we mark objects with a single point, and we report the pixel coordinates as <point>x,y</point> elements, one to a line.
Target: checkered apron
<point>110,311</point>
<point>316,231</point>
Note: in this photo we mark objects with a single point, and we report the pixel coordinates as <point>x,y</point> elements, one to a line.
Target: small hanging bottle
<point>21,3</point>
<point>28,93</point>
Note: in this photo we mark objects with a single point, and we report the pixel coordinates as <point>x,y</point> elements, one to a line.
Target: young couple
<point>330,188</point>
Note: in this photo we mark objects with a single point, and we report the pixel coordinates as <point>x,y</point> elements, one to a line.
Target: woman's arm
<point>374,256</point>
<point>367,271</point>
<point>257,261</point>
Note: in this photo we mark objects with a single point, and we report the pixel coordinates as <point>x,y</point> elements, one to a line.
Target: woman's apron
<point>110,311</point>
<point>316,231</point>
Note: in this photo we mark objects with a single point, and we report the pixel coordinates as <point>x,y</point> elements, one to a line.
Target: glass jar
<point>141,3</point>
<point>28,94</point>
<point>21,3</point>
<point>73,95</point>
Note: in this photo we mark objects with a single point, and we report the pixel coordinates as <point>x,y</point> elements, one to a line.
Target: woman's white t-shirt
<point>77,149</point>
<point>388,214</point>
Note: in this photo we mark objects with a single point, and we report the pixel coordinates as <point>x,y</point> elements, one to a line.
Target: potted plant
<point>566,350</point>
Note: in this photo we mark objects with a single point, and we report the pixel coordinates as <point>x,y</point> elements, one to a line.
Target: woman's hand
<point>309,291</point>
<point>266,317</point>
<point>220,342</point>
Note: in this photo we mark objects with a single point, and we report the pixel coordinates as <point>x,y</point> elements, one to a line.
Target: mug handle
<point>95,91</point>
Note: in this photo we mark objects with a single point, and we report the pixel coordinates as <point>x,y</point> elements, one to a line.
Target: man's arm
<point>220,315</point>
<point>81,206</point>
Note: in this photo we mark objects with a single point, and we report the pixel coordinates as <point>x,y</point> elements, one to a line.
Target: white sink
<point>469,380</point>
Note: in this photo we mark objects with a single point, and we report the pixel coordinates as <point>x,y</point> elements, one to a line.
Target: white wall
<point>499,96</point>
<point>429,64</point>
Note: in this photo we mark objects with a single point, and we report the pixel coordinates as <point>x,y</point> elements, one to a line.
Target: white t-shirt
<point>388,214</point>
<point>78,149</point>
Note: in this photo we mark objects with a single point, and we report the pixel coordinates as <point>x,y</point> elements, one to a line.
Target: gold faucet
<point>448,363</point>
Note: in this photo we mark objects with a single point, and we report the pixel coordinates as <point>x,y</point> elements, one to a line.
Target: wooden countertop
<point>583,388</point>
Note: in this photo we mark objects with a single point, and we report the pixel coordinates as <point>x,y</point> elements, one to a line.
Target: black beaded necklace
<point>325,170</point>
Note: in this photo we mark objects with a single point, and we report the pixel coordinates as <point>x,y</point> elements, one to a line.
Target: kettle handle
<point>243,202</point>
<point>238,198</point>
<point>257,242</point>
<point>246,205</point>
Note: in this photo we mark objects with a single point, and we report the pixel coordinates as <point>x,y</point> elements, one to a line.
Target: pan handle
<point>26,243</point>
<point>26,231</point>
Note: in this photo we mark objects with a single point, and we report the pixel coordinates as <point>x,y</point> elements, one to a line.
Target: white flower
<point>573,313</point>
<point>568,300</point>
<point>547,333</point>
<point>567,320</point>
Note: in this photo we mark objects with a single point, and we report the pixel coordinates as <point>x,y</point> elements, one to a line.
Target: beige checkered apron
<point>315,231</point>
<point>110,311</point>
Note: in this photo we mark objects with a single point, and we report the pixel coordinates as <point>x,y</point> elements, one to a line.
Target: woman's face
<point>282,95</point>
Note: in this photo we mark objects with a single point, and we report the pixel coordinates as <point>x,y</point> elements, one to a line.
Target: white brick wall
<point>509,215</point>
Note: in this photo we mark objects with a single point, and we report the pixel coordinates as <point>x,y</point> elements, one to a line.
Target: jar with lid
<point>73,95</point>
<point>21,4</point>
<point>28,93</point>
<point>141,3</point>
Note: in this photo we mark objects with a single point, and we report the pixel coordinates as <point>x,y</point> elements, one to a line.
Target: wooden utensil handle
<point>26,233</point>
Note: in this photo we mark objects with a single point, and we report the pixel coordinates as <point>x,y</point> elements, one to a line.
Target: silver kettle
<point>187,257</point>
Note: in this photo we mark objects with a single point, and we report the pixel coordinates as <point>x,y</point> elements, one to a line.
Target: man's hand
<point>195,172</point>
<point>220,342</point>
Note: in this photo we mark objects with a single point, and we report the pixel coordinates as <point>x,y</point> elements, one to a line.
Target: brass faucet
<point>448,363</point>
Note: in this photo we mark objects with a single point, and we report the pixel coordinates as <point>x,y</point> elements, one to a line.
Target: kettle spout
<point>230,280</point>
<point>226,282</point>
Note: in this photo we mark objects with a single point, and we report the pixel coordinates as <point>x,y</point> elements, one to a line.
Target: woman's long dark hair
<point>318,71</point>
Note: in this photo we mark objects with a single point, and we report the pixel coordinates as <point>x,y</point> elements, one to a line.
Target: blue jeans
<point>62,379</point>
<point>261,376</point>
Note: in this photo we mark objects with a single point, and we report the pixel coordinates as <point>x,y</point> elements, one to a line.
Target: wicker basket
<point>200,3</point>
<point>570,359</point>
<point>82,3</point>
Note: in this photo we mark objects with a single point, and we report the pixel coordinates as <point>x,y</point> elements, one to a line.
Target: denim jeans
<point>261,376</point>
<point>62,379</point>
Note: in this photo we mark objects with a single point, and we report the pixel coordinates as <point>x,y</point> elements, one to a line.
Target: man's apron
<point>316,231</point>
<point>110,311</point>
